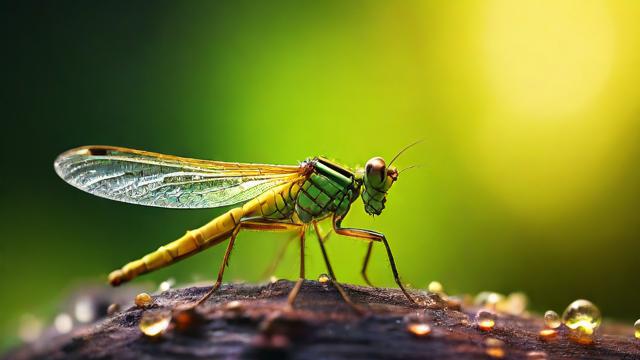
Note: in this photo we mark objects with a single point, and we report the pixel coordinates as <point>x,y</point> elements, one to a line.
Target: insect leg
<point>225,263</point>
<point>334,280</point>
<point>294,292</point>
<point>324,252</point>
<point>374,236</point>
<point>367,256</point>
<point>249,225</point>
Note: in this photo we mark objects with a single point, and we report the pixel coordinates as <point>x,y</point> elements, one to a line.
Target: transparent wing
<point>146,178</point>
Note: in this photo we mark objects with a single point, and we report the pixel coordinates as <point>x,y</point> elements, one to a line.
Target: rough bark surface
<point>321,326</point>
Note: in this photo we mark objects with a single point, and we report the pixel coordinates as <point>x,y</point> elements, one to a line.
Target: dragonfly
<point>275,198</point>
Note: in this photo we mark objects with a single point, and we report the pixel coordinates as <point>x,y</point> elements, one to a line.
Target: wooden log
<point>321,326</point>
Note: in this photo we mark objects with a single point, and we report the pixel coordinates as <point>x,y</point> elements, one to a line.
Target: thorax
<point>329,189</point>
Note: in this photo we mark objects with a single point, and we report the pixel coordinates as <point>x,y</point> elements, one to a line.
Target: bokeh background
<point>530,112</point>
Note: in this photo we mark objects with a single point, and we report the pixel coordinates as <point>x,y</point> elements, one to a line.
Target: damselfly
<point>272,198</point>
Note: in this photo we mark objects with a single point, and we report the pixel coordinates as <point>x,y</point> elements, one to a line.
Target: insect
<point>269,198</point>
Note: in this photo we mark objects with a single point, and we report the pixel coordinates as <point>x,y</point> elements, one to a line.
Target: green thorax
<point>329,189</point>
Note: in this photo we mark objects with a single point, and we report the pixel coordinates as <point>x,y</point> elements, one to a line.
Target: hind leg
<point>250,225</point>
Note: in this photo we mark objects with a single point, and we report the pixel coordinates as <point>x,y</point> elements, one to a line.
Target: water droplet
<point>84,310</point>
<point>552,319</point>
<point>435,287</point>
<point>488,299</point>
<point>30,328</point>
<point>112,309</point>
<point>636,327</point>
<point>419,329</point>
<point>548,334</point>
<point>234,305</point>
<point>323,278</point>
<point>494,348</point>
<point>582,318</point>
<point>166,285</point>
<point>186,319</point>
<point>143,300</point>
<point>514,304</point>
<point>485,320</point>
<point>63,323</point>
<point>153,324</point>
<point>582,335</point>
<point>537,355</point>
<point>493,342</point>
<point>497,353</point>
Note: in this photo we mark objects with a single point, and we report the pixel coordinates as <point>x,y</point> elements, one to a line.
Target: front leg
<point>372,236</point>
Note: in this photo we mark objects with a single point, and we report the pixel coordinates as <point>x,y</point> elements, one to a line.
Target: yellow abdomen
<point>277,203</point>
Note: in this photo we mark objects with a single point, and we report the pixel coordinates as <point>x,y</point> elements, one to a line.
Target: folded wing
<point>146,178</point>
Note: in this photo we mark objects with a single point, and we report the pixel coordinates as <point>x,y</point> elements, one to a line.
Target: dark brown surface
<point>320,327</point>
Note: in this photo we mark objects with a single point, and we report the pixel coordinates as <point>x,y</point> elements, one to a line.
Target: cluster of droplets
<point>581,318</point>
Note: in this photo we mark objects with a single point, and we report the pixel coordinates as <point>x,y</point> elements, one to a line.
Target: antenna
<point>403,150</point>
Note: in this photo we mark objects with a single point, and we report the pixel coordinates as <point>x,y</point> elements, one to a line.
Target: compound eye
<point>376,169</point>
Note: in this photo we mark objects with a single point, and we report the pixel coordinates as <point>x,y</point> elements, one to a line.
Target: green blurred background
<point>530,113</point>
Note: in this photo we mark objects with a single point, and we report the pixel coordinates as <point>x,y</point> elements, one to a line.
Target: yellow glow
<point>549,138</point>
<point>548,58</point>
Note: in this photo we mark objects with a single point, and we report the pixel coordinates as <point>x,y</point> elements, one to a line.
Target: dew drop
<point>166,285</point>
<point>84,310</point>
<point>143,300</point>
<point>419,329</point>
<point>234,306</point>
<point>583,319</point>
<point>494,348</point>
<point>323,278</point>
<point>485,320</point>
<point>537,355</point>
<point>581,335</point>
<point>552,319</point>
<point>63,323</point>
<point>113,309</point>
<point>497,353</point>
<point>514,304</point>
<point>30,328</point>
<point>488,299</point>
<point>636,327</point>
<point>153,324</point>
<point>435,287</point>
<point>548,334</point>
<point>186,319</point>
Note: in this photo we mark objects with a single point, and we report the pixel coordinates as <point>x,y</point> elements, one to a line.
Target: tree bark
<point>321,326</point>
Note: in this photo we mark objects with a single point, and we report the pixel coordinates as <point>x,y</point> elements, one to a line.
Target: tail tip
<point>116,277</point>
